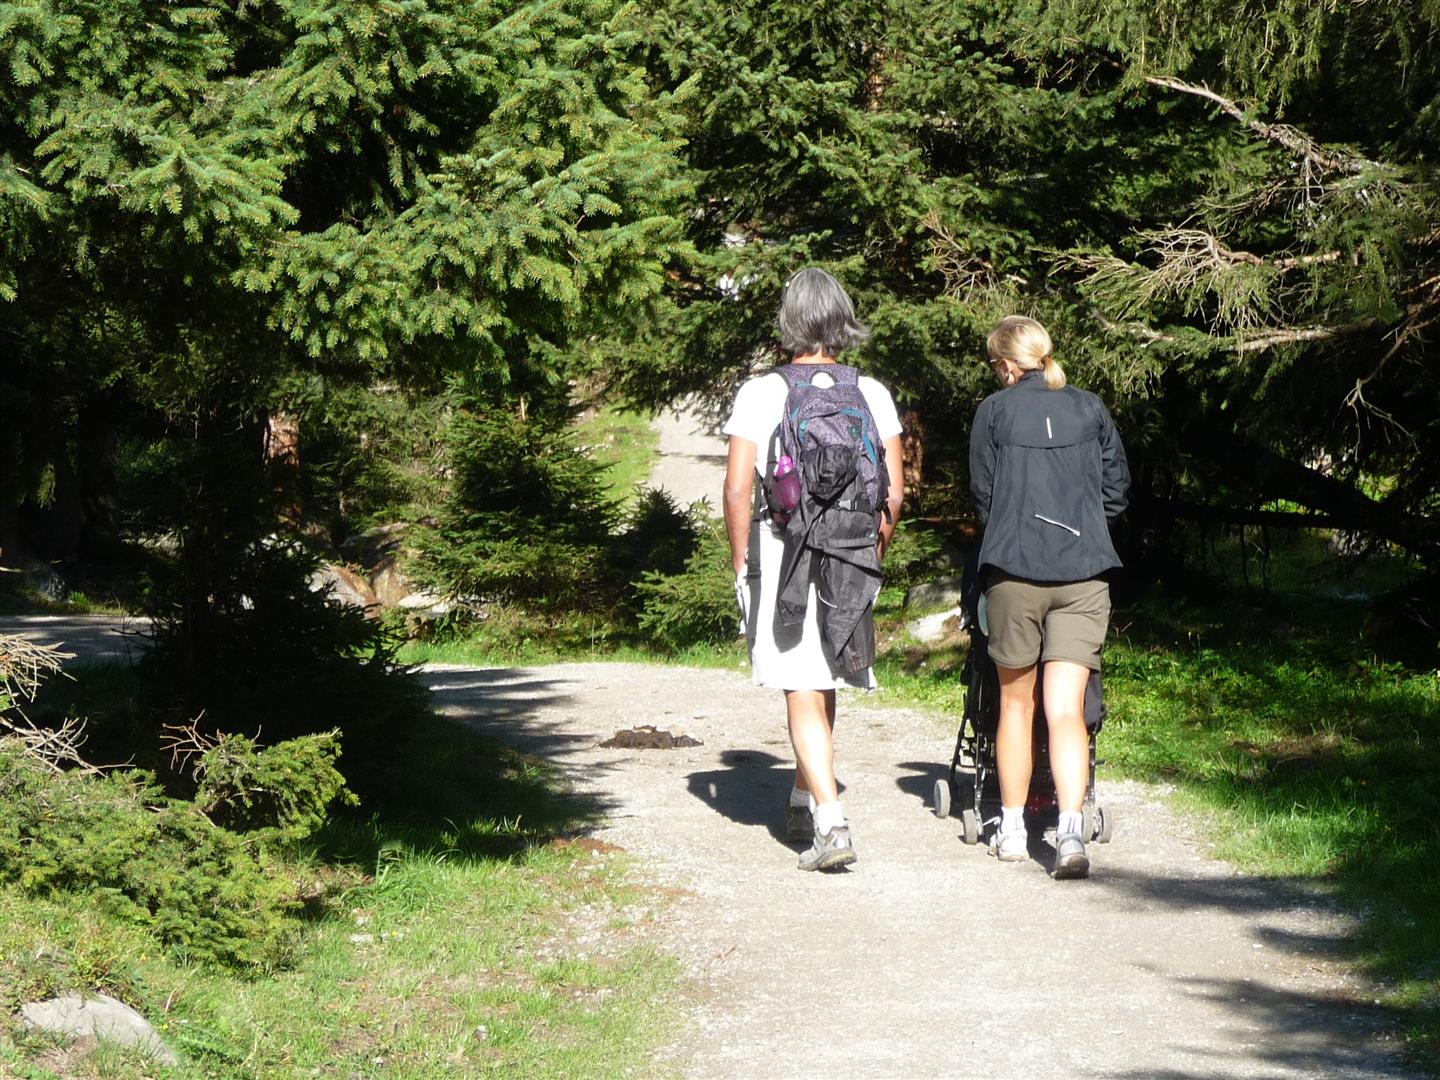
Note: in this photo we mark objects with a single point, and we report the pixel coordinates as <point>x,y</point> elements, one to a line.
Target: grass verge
<point>623,443</point>
<point>454,931</point>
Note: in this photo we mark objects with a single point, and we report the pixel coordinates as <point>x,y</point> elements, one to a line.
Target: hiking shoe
<point>1010,846</point>
<point>799,824</point>
<point>1070,858</point>
<point>829,850</point>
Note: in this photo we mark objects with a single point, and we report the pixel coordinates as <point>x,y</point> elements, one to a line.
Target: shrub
<point>657,536</point>
<point>696,606</point>
<point>282,793</point>
<point>200,889</point>
<point>270,656</point>
<point>527,519</point>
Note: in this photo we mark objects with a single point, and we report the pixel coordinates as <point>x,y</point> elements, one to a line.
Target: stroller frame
<point>973,784</point>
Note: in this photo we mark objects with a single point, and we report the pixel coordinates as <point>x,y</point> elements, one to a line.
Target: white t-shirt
<point>803,661</point>
<point>761,401</point>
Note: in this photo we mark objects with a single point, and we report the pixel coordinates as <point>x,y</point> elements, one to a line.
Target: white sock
<point>828,816</point>
<point>801,798</point>
<point>1072,822</point>
<point>1012,819</point>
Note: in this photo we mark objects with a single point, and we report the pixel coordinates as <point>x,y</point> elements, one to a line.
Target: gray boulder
<point>98,1016</point>
<point>942,592</point>
<point>346,586</point>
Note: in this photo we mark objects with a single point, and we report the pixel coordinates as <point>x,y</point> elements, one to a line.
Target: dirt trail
<point>691,462</point>
<point>928,958</point>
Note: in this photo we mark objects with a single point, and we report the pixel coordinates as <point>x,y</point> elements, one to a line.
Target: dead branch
<point>57,749</point>
<point>1272,339</point>
<point>1147,334</point>
<point>24,665</point>
<point>962,270</point>
<point>186,741</point>
<point>1292,138</point>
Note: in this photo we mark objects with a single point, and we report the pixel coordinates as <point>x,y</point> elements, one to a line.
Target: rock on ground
<point>99,1016</point>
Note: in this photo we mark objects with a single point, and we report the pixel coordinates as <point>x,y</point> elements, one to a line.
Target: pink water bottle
<point>784,490</point>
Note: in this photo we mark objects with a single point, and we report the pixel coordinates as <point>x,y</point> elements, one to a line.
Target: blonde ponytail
<point>1054,373</point>
<point>1026,344</point>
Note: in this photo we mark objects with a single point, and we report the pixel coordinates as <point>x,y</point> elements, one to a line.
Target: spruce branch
<point>1291,138</point>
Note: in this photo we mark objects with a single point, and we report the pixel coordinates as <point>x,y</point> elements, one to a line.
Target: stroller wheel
<point>940,801</point>
<point>971,823</point>
<point>1099,824</point>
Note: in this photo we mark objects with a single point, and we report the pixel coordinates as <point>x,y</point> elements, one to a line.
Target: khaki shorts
<point>1032,620</point>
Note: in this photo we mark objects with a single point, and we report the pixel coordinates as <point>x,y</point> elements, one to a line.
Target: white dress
<point>802,662</point>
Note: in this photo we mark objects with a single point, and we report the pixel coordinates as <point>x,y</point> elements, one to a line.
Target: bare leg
<point>812,721</point>
<point>1069,741</point>
<point>1014,757</point>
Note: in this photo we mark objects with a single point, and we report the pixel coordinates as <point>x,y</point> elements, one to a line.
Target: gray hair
<point>816,315</point>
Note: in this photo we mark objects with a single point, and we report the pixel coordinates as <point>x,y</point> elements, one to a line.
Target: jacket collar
<point>1033,380</point>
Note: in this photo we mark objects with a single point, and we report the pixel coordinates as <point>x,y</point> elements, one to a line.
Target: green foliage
<point>696,605</point>
<point>281,793</point>
<point>202,891</point>
<point>527,518</point>
<point>656,537</point>
<point>268,656</point>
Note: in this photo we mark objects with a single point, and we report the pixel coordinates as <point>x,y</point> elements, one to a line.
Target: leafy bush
<point>271,656</point>
<point>657,537</point>
<point>200,889</point>
<point>696,606</point>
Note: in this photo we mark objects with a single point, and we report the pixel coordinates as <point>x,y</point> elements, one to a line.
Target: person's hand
<point>742,597</point>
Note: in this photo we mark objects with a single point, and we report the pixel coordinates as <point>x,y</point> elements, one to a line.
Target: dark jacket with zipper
<point>1048,474</point>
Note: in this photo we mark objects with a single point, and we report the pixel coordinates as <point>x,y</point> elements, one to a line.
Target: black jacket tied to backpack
<point>1049,474</point>
<point>832,536</point>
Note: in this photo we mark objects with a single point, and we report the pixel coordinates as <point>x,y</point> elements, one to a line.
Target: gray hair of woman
<point>816,315</point>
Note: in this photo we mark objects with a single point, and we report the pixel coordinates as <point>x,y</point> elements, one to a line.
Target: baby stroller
<point>973,785</point>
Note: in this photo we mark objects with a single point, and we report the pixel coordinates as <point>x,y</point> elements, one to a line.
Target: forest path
<point>691,456</point>
<point>928,958</point>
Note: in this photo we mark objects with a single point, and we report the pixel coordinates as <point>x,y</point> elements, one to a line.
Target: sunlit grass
<point>623,443</point>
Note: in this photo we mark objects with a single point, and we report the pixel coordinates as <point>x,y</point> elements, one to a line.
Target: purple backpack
<point>829,433</point>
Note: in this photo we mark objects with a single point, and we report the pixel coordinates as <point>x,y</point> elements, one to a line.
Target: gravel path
<point>691,462</point>
<point>928,958</point>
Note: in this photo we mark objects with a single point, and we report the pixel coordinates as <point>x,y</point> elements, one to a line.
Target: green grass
<point>624,443</point>
<point>452,931</point>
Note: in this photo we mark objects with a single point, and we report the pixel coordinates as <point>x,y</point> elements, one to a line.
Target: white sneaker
<point>1071,861</point>
<point>1010,846</point>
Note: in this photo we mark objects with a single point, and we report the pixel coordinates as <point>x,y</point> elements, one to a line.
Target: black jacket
<point>1048,474</point>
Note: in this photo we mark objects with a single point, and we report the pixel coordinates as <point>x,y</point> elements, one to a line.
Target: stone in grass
<point>646,737</point>
<point>99,1016</point>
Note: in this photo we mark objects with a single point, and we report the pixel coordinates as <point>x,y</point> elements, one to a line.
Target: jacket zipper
<point>1052,521</point>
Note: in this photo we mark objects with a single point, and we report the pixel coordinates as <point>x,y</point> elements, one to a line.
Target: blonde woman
<point>1048,474</point>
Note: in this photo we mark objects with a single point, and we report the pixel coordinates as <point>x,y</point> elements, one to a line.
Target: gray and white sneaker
<point>829,850</point>
<point>1071,861</point>
<point>799,824</point>
<point>1010,846</point>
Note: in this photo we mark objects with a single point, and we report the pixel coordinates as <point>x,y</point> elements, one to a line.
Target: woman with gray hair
<point>816,322</point>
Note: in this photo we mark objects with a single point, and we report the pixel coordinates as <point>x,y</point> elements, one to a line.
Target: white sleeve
<point>755,412</point>
<point>882,407</point>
